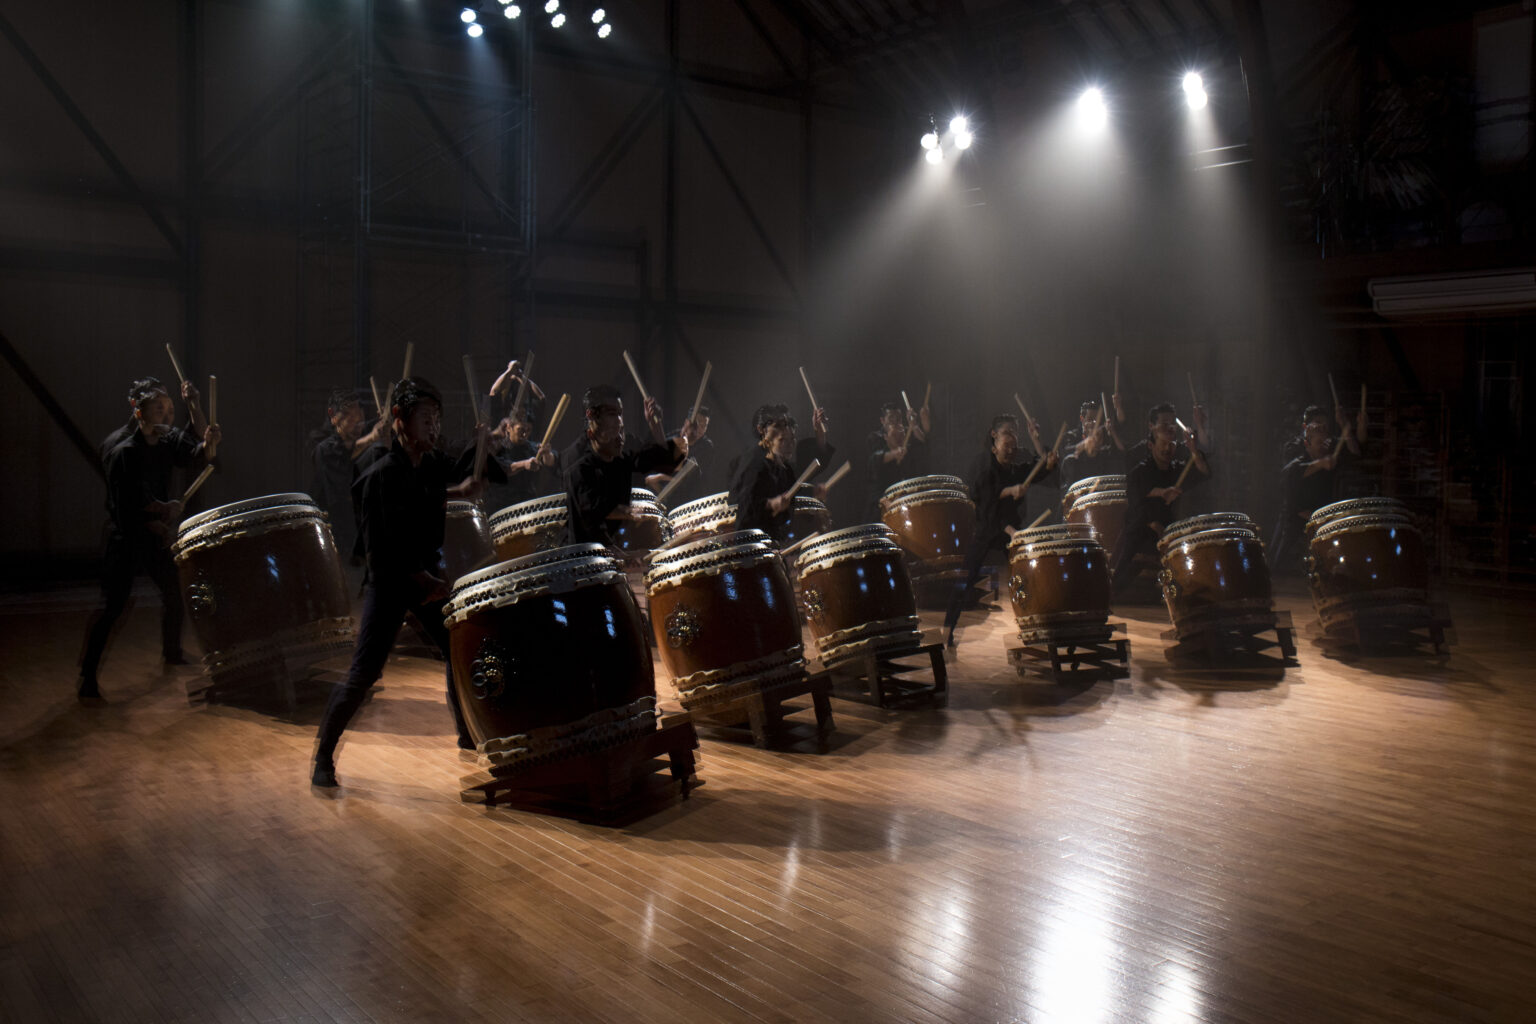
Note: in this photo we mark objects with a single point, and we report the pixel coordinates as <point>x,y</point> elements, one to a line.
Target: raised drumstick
<point>554,421</point>
<point>1335,391</point>
<point>644,396</point>
<point>927,394</point>
<point>201,479</point>
<point>810,471</point>
<point>181,378</point>
<point>410,353</point>
<point>1179,483</point>
<point>1056,448</point>
<point>689,465</point>
<point>1117,375</point>
<point>838,474</point>
<point>213,399</point>
<point>1193,401</point>
<point>698,399</point>
<point>1103,407</point>
<point>1027,416</point>
<point>910,418</point>
<point>812,395</point>
<point>522,385</point>
<point>1042,517</point>
<point>474,403</point>
<point>376,403</point>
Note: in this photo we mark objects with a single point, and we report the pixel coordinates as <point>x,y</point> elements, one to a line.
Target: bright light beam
<point>1092,112</point>
<point>1194,91</point>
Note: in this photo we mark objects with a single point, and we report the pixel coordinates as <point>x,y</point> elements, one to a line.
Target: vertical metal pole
<point>191,183</point>
<point>669,255</point>
<point>362,213</point>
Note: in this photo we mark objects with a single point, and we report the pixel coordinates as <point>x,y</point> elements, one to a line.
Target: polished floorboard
<point>1337,841</point>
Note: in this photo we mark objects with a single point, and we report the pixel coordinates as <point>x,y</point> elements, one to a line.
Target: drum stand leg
<point>765,713</point>
<point>615,785</point>
<point>1222,641</point>
<point>880,675</point>
<point>1404,629</point>
<point>1069,656</point>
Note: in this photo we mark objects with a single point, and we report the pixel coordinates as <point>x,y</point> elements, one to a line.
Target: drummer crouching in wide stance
<point>763,490</point>
<point>597,481</point>
<point>998,485</point>
<point>1153,488</point>
<point>402,504</point>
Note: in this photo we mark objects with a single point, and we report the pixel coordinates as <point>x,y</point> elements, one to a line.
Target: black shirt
<point>883,474</point>
<point>1107,461</point>
<point>988,479</point>
<point>758,479</point>
<point>595,487</point>
<point>524,485</point>
<point>1301,495</point>
<point>402,507</point>
<point>139,473</point>
<point>1143,510</point>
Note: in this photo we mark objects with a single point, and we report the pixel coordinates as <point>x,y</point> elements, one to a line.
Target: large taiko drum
<point>264,584</point>
<point>1368,567</point>
<point>1059,583</point>
<point>705,517</point>
<point>724,617</point>
<point>1102,509</point>
<point>855,593</point>
<point>529,527</point>
<point>550,656</point>
<point>1369,506</point>
<point>807,516</point>
<point>645,529</point>
<point>1092,485</point>
<point>1214,575</point>
<point>466,540</point>
<point>933,519</point>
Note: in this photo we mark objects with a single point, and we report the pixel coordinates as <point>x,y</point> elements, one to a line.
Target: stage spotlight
<point>557,20</point>
<point>552,6</point>
<point>467,16</point>
<point>930,141</point>
<point>604,31</point>
<point>598,16</point>
<point>475,30</point>
<point>513,11</point>
<point>934,155</point>
<point>959,124</point>
<point>1194,91</point>
<point>1091,109</point>
<point>963,140</point>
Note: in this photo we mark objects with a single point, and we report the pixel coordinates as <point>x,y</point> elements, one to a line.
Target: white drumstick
<point>213,399</point>
<point>689,465</point>
<point>474,400</point>
<point>410,353</point>
<point>376,403</point>
<point>698,399</point>
<point>175,363</point>
<point>1027,416</point>
<point>799,543</point>
<point>554,421</point>
<point>838,474</point>
<point>810,471</point>
<point>1193,401</point>
<point>644,397</point>
<point>1333,388</point>
<point>809,393</point>
<point>1042,517</point>
<point>201,478</point>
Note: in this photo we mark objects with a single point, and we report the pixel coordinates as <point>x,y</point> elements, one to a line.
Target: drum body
<point>550,656</point>
<point>934,528</point>
<point>724,618</point>
<point>646,529</point>
<point>264,585</point>
<point>856,594</point>
<point>1104,511</point>
<point>1059,583</point>
<point>466,540</point>
<point>529,527</point>
<point>1216,579</point>
<point>1366,567</point>
<point>809,515</point>
<point>705,517</point>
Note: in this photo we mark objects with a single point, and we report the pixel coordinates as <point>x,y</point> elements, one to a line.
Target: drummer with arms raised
<point>144,516</point>
<point>763,490</point>
<point>402,503</point>
<point>1308,482</point>
<point>597,481</point>
<point>898,451</point>
<point>998,483</point>
<point>1153,488</point>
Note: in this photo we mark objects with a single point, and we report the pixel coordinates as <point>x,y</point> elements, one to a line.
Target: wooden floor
<point>1337,842</point>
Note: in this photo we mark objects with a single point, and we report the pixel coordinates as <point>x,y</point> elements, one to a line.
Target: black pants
<point>1135,539</point>
<point>384,608</point>
<point>124,561</point>
<point>982,545</point>
<point>1287,551</point>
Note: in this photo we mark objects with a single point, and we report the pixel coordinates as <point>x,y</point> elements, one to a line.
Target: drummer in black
<point>997,488</point>
<point>338,445</point>
<point>144,515</point>
<point>1097,451</point>
<point>701,450</point>
<point>597,482</point>
<point>1152,492</point>
<point>529,468</point>
<point>898,451</point>
<point>402,501</point>
<point>1308,482</point>
<point>763,488</point>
